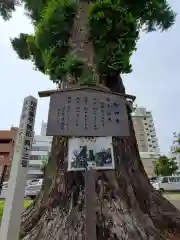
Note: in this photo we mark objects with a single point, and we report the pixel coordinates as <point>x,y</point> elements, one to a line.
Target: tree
<point>90,43</point>
<point>43,166</point>
<point>176,141</point>
<point>165,166</point>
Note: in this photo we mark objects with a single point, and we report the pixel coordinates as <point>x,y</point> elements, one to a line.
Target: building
<point>146,138</point>
<point>145,131</point>
<point>43,128</point>
<point>148,160</point>
<point>40,151</point>
<point>41,148</point>
<point>7,143</point>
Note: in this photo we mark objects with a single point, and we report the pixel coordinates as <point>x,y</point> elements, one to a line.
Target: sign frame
<point>87,112</point>
<point>98,153</point>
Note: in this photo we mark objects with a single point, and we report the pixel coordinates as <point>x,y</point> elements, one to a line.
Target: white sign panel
<point>14,204</point>
<point>94,152</point>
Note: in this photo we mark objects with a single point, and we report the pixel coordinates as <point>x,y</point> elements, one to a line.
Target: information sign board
<point>87,113</point>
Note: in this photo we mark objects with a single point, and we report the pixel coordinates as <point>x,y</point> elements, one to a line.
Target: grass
<point>26,204</point>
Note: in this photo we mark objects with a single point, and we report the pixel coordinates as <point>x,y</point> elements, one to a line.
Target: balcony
<point>34,172</point>
<point>35,162</point>
<point>11,134</point>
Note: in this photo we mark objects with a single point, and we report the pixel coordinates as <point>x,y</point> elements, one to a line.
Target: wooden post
<point>90,205</point>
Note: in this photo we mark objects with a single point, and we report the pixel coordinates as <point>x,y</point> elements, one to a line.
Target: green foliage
<point>114,27</point>
<point>70,65</point>
<point>49,46</point>
<point>151,14</point>
<point>88,77</point>
<point>33,9</point>
<point>26,49</point>
<point>36,54</point>
<point>74,66</point>
<point>53,30</point>
<point>20,45</point>
<point>177,141</point>
<point>165,167</point>
<point>114,33</point>
<point>52,35</point>
<point>6,9</point>
<point>44,165</point>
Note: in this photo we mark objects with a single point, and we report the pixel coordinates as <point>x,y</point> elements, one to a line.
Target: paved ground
<point>176,203</point>
<point>174,198</point>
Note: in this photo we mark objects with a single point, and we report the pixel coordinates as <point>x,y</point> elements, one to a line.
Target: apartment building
<point>146,138</point>
<point>7,143</point>
<point>41,148</point>
<point>145,131</point>
<point>148,160</point>
<point>43,128</point>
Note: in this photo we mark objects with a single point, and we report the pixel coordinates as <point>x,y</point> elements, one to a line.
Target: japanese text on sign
<point>26,128</point>
<point>87,113</point>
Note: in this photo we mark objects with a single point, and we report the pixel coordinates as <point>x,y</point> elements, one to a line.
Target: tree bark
<point>127,205</point>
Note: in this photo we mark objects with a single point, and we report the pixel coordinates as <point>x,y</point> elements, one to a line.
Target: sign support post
<point>90,204</point>
<point>14,204</point>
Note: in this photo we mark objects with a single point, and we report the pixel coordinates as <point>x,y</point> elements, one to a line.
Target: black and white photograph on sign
<point>86,152</point>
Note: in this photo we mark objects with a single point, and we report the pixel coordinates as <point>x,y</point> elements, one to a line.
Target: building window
<point>34,167</point>
<point>5,141</point>
<point>40,148</point>
<point>34,157</point>
<point>39,157</point>
<point>142,146</point>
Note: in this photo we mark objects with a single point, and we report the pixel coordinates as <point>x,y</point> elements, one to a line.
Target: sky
<point>155,80</point>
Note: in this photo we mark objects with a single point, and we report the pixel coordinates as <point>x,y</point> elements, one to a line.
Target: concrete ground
<point>176,203</point>
<point>174,198</point>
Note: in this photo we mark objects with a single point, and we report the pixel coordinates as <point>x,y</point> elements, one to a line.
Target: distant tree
<point>43,166</point>
<point>165,166</point>
<point>176,141</point>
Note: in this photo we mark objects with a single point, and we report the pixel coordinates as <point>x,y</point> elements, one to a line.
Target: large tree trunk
<point>127,205</point>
